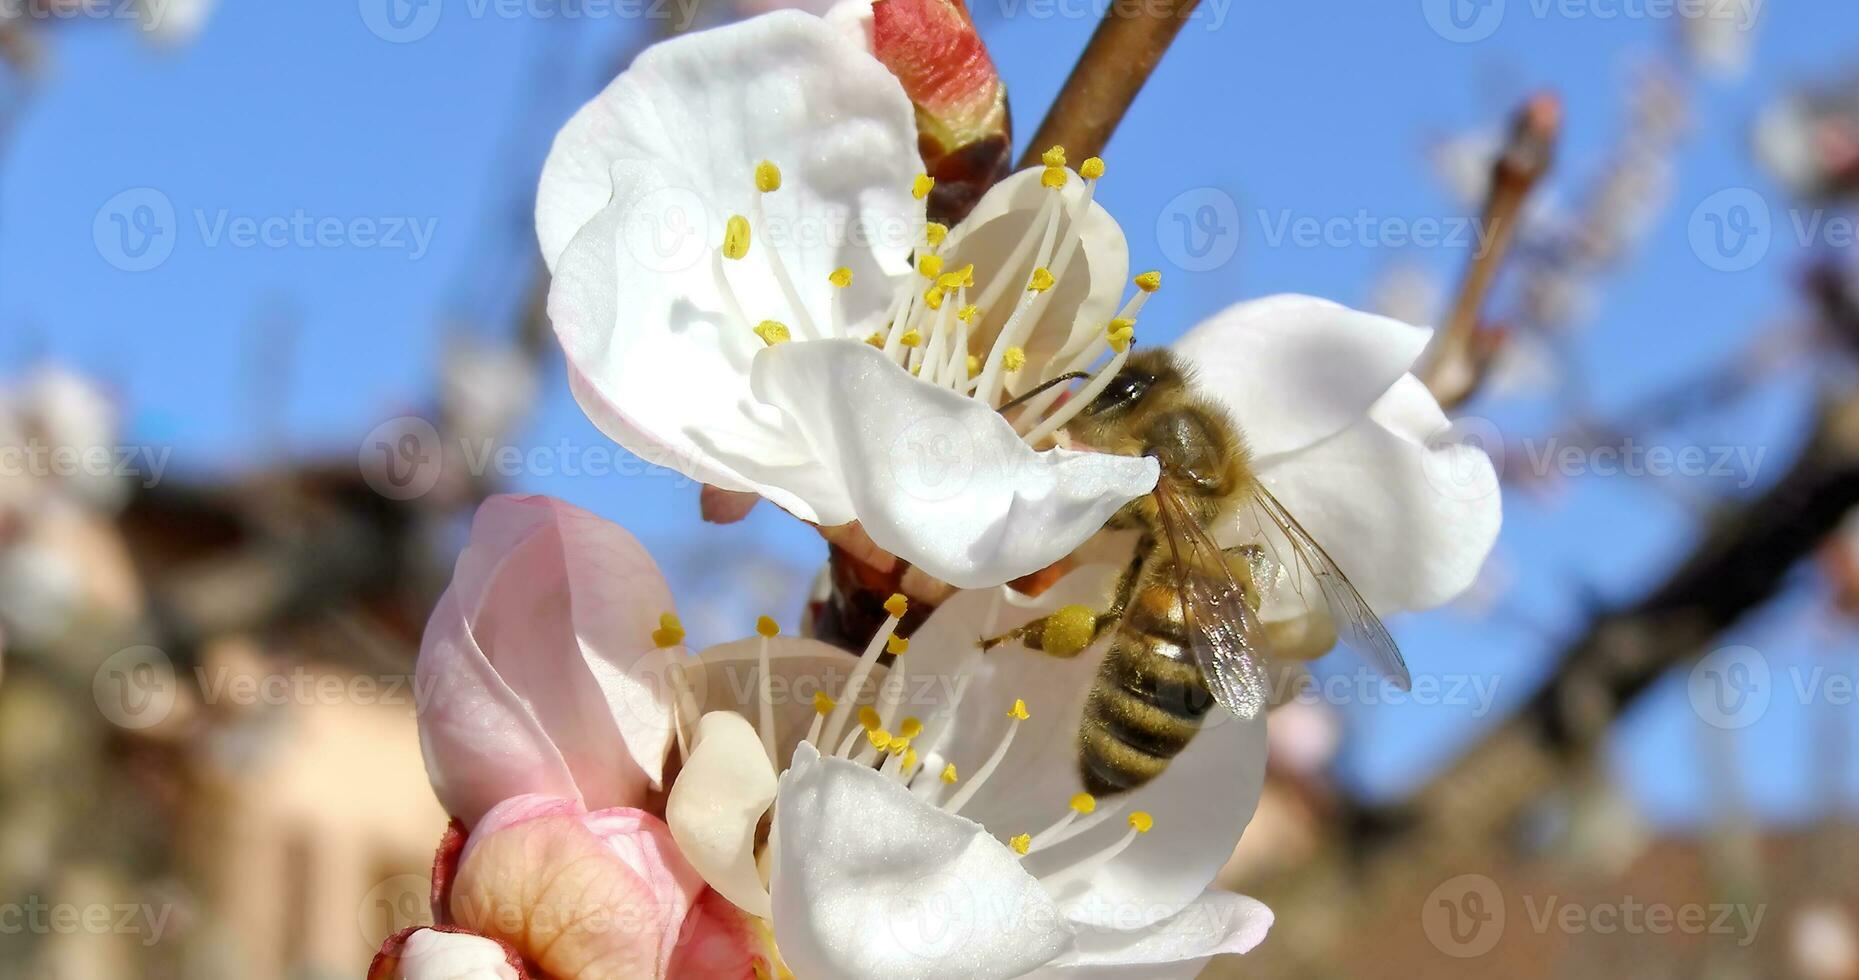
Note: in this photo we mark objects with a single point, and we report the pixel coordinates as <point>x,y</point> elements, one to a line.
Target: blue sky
<point>1311,109</point>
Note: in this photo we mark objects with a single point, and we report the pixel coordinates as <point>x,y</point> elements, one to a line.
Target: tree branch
<point>1115,64</point>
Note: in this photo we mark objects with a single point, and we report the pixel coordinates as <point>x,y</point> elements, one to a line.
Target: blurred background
<point>269,330</point>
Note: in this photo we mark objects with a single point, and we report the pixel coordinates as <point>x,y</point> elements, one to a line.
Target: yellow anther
<point>910,760</point>
<point>911,338</point>
<point>1092,168</point>
<point>1013,359</point>
<point>1068,630</point>
<point>948,773</point>
<point>1120,337</point>
<point>876,339</point>
<point>1054,178</point>
<point>772,333</point>
<point>736,237</point>
<point>899,745</point>
<point>1141,821</point>
<point>1149,282</point>
<point>910,728</point>
<point>670,632</point>
<point>766,626</point>
<point>841,277</point>
<point>965,276</point>
<point>767,177</point>
<point>823,703</point>
<point>935,232</point>
<point>868,718</point>
<point>968,313</point>
<point>1042,280</point>
<point>896,645</point>
<point>932,297</point>
<point>920,187</point>
<point>896,604</point>
<point>1018,710</point>
<point>974,365</point>
<point>880,739</point>
<point>930,266</point>
<point>1083,803</point>
<point>1021,844</point>
<point>1054,157</point>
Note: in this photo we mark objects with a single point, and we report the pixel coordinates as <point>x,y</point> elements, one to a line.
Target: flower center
<point>930,327</point>
<point>878,735</point>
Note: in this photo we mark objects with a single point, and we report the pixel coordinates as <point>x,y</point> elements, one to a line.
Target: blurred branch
<point>1456,364</point>
<point>1115,64</point>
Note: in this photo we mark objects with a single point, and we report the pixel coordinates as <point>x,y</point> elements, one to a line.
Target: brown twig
<point>1457,362</point>
<point>1112,69</point>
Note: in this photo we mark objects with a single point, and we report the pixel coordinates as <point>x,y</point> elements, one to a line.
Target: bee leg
<point>1069,631</point>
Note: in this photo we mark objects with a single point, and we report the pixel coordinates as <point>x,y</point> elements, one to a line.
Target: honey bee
<point>1188,632</point>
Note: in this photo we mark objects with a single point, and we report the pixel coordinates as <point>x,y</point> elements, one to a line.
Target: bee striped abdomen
<point>1149,698</point>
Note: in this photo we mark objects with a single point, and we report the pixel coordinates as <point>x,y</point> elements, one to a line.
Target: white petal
<point>1080,303</point>
<point>869,881</point>
<point>1201,803</point>
<point>632,207</point>
<point>716,803</point>
<point>433,955</point>
<point>1296,369</point>
<point>1216,923</point>
<point>787,87</point>
<point>1405,509</point>
<point>934,477</point>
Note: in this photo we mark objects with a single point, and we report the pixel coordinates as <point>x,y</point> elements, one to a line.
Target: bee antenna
<point>1042,386</point>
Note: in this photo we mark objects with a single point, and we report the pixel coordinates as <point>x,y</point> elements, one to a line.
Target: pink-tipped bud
<point>963,130</point>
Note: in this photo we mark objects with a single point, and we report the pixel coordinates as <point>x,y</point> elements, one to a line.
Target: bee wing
<point>1226,636</point>
<point>1357,626</point>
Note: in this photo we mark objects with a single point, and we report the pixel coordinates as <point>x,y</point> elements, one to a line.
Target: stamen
<point>1042,280</point>
<point>1083,869</point>
<point>841,277</point>
<point>1078,403</point>
<point>934,232</point>
<point>1149,281</point>
<point>1092,168</point>
<point>670,632</point>
<point>736,237</point>
<point>1082,804</point>
<point>921,187</point>
<point>929,266</point>
<point>1013,360</point>
<point>765,723</point>
<point>1020,844</point>
<point>768,178</point>
<point>894,607</point>
<point>772,333</point>
<point>967,792</point>
<point>822,706</point>
<point>1053,157</point>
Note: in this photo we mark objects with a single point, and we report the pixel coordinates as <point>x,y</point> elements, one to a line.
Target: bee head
<point>1146,373</point>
